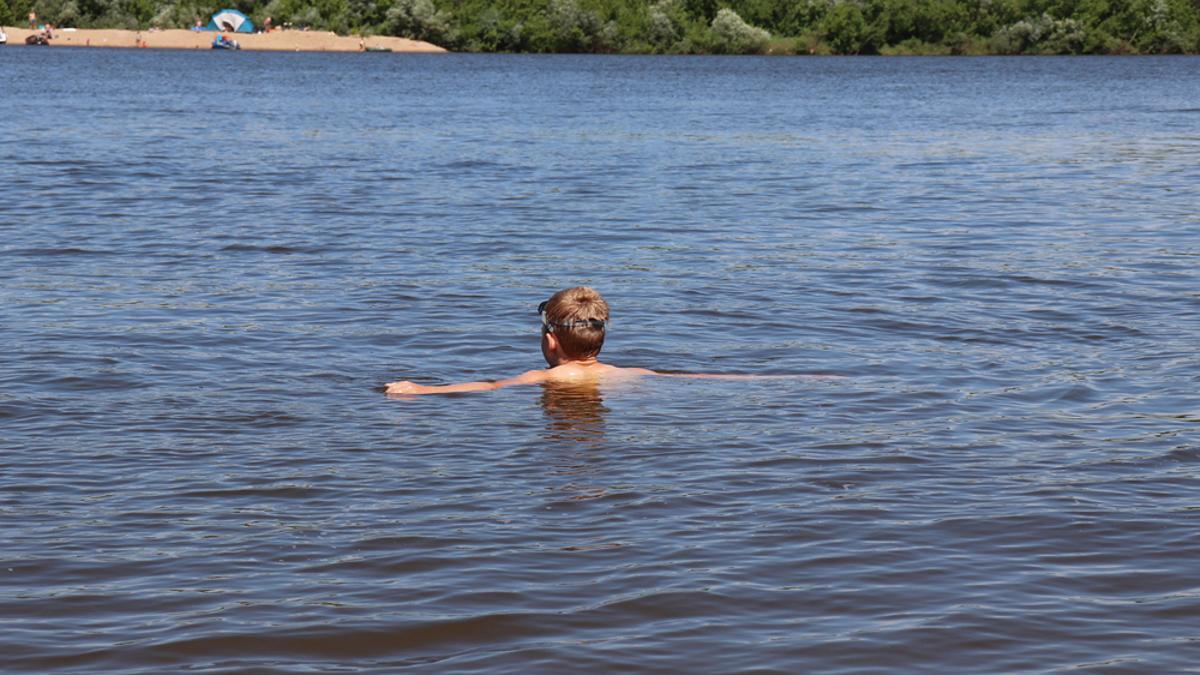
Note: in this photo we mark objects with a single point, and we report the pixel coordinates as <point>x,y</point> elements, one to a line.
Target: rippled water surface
<point>982,271</point>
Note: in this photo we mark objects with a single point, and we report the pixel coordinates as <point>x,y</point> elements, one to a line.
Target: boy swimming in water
<point>574,321</point>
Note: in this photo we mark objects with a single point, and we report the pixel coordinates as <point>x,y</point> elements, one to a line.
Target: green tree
<point>704,10</point>
<point>925,20</point>
<point>1040,35</point>
<point>1159,26</point>
<point>575,28</point>
<point>417,19</point>
<point>845,29</point>
<point>732,35</point>
<point>666,24</point>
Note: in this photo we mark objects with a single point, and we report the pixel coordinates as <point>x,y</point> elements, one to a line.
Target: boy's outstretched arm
<point>723,376</point>
<point>731,376</point>
<point>406,387</point>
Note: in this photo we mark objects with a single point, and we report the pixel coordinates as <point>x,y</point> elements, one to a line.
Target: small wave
<point>472,164</point>
<point>97,382</point>
<point>282,492</point>
<point>277,249</point>
<point>55,251</point>
<point>58,162</point>
<point>445,636</point>
<point>1187,455</point>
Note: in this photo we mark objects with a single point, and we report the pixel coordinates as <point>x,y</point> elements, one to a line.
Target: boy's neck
<point>590,361</point>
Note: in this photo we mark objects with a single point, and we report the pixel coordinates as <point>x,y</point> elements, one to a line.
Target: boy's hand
<point>405,387</point>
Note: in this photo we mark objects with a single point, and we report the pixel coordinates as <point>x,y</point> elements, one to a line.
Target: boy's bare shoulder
<point>527,377</point>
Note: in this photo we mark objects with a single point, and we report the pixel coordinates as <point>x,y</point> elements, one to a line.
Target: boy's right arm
<point>406,387</point>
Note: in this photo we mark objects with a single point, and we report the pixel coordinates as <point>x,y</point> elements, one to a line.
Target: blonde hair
<point>578,318</point>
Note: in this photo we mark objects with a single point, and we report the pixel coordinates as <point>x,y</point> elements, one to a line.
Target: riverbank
<point>279,41</point>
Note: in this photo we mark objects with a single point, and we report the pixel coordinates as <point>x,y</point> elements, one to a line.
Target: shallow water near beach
<point>981,272</point>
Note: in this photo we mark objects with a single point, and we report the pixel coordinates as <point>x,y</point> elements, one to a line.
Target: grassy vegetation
<point>694,26</point>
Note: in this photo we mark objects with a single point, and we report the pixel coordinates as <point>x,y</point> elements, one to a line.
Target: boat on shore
<point>222,42</point>
<point>3,36</point>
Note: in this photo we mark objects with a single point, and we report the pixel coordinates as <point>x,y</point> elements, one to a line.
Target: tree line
<point>691,26</point>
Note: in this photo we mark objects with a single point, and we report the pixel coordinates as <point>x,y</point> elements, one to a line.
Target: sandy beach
<point>280,40</point>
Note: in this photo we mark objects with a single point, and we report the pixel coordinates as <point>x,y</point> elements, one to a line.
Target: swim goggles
<point>549,326</point>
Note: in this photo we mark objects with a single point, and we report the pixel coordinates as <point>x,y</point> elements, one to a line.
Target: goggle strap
<point>579,323</point>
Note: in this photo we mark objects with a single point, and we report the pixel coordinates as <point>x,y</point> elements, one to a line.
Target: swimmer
<point>574,322</point>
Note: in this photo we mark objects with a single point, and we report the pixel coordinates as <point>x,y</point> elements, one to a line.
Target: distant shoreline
<point>275,41</point>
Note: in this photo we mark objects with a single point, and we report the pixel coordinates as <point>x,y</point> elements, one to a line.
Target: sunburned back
<point>576,372</point>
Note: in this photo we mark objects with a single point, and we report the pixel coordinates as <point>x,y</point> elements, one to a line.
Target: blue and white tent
<point>230,21</point>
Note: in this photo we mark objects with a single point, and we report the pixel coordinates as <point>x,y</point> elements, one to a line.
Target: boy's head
<point>577,318</point>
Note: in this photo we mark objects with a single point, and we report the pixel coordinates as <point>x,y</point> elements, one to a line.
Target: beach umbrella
<point>232,21</point>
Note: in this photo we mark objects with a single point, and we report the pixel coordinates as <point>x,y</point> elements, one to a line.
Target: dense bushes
<point>695,26</point>
<point>732,35</point>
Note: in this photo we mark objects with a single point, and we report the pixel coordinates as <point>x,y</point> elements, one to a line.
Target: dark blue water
<point>209,263</point>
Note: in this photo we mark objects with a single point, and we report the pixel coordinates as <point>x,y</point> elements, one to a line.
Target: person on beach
<point>574,322</point>
<point>33,21</point>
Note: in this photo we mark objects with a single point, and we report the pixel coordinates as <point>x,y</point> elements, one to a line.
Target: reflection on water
<point>574,440</point>
<point>574,412</point>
